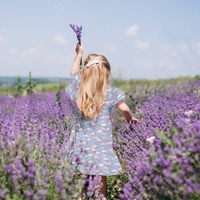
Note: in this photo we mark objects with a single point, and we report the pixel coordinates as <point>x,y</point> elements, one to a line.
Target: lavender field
<point>34,130</point>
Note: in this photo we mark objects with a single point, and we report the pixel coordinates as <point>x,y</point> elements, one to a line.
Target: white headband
<point>92,62</point>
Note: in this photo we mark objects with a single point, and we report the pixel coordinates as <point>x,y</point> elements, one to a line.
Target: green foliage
<point>20,153</point>
<point>128,86</point>
<point>42,87</point>
<point>19,87</point>
<point>114,185</point>
<point>132,102</point>
<point>197,77</point>
<point>15,197</point>
<point>131,85</point>
<point>30,85</point>
<point>58,98</point>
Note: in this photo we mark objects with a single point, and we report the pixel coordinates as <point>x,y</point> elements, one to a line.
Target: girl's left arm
<point>124,109</point>
<point>76,65</point>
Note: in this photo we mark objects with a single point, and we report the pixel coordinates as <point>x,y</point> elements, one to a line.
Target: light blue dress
<point>90,143</point>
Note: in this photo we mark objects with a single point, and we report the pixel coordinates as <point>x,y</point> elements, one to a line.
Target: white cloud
<point>175,58</point>
<point>133,30</point>
<point>111,48</point>
<point>142,46</point>
<point>55,55</point>
<point>13,52</point>
<point>38,56</point>
<point>165,48</point>
<point>60,39</point>
<point>2,40</point>
<point>31,51</point>
<point>198,48</point>
<point>183,47</point>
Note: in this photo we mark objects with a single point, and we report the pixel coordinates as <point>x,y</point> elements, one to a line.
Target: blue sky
<point>140,38</point>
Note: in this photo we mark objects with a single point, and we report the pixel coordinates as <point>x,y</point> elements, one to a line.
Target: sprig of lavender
<point>78,31</point>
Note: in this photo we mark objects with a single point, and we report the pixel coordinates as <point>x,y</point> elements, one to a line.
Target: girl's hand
<point>79,49</point>
<point>134,121</point>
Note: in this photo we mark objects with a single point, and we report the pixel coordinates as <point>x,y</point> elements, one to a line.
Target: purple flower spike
<point>77,30</point>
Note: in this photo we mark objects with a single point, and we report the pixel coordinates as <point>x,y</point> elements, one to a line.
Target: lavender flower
<point>34,132</point>
<point>78,31</point>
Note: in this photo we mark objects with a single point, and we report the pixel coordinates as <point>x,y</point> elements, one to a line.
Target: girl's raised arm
<point>77,61</point>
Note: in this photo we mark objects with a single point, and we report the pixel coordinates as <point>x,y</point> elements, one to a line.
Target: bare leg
<point>83,190</point>
<point>103,188</point>
<point>102,191</point>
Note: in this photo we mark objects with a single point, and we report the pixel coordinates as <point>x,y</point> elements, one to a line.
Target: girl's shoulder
<point>72,88</point>
<point>76,75</point>
<point>114,94</point>
<point>113,89</point>
<point>75,78</point>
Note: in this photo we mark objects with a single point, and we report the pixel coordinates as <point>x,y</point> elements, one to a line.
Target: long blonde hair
<point>92,90</point>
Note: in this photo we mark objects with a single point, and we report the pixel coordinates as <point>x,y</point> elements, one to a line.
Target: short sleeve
<point>116,96</point>
<point>72,88</point>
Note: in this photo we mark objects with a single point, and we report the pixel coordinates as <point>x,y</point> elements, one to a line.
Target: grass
<point>127,85</point>
<point>41,87</point>
<point>124,85</point>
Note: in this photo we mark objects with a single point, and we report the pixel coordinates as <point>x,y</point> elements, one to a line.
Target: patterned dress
<point>90,143</point>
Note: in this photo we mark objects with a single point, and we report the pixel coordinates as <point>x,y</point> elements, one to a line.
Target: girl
<point>90,142</point>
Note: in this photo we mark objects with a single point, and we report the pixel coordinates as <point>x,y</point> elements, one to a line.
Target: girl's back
<point>90,143</point>
<point>91,139</point>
